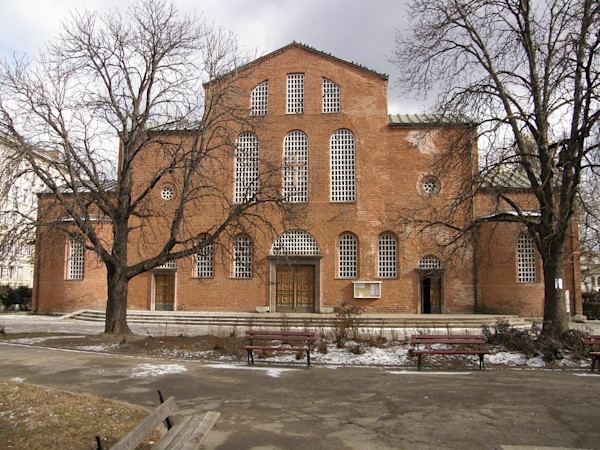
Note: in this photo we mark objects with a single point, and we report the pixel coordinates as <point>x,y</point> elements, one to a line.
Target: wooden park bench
<point>592,340</point>
<point>275,341</point>
<point>187,434</point>
<point>461,344</point>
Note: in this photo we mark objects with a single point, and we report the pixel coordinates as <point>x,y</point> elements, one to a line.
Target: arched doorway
<point>431,275</point>
<point>295,266</point>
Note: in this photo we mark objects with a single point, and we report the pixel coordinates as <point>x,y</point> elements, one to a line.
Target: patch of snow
<point>416,372</point>
<point>586,375</point>
<point>98,348</point>
<point>536,362</point>
<point>17,380</point>
<point>39,340</point>
<point>153,370</point>
<point>507,359</point>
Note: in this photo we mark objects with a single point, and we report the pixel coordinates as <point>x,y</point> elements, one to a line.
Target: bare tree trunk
<point>116,305</point>
<point>555,309</point>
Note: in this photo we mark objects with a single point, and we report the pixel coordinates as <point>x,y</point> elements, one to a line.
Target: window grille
<point>347,256</point>
<point>295,93</point>
<point>387,256</point>
<point>204,262</point>
<point>526,259</point>
<point>168,265</point>
<point>429,186</point>
<point>259,99</point>
<point>242,257</point>
<point>331,97</point>
<point>76,260</point>
<point>295,242</point>
<point>246,168</point>
<point>342,167</point>
<point>167,193</point>
<point>429,262</point>
<point>295,173</point>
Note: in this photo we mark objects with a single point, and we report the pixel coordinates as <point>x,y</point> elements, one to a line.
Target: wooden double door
<point>295,288</point>
<point>164,292</point>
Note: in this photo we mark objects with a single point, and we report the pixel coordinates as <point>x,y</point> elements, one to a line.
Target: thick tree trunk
<point>556,319</point>
<point>116,305</point>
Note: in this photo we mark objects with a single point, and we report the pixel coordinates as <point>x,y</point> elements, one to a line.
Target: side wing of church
<point>350,171</point>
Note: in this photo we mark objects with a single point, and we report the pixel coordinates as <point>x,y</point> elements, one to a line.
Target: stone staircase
<point>299,320</point>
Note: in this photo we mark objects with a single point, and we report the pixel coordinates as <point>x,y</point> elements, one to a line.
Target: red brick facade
<point>391,165</point>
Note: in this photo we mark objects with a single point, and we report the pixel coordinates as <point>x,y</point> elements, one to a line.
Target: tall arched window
<point>342,167</point>
<point>386,255</point>
<point>526,271</point>
<point>246,168</point>
<point>205,261</point>
<point>259,102</point>
<point>347,256</point>
<point>242,257</point>
<point>76,262</point>
<point>295,170</point>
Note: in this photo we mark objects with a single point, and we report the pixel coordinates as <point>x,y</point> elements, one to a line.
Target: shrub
<point>346,321</point>
<point>15,296</point>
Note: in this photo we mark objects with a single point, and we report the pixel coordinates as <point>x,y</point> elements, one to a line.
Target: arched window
<point>76,259</point>
<point>347,256</point>
<point>242,257</point>
<point>342,167</point>
<point>429,263</point>
<point>526,259</point>
<point>259,102</point>
<point>386,251</point>
<point>204,261</point>
<point>246,168</point>
<point>331,97</point>
<point>295,242</point>
<point>295,170</point>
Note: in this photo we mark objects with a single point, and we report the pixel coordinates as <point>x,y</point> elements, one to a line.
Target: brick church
<point>349,167</point>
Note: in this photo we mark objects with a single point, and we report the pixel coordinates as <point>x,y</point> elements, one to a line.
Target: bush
<point>15,296</point>
<point>346,321</point>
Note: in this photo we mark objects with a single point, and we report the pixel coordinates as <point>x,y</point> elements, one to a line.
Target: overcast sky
<point>362,31</point>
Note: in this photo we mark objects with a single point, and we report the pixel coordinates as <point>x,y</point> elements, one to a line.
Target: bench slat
<point>132,439</point>
<point>450,352</point>
<point>280,338</point>
<point>189,434</point>
<point>291,349</point>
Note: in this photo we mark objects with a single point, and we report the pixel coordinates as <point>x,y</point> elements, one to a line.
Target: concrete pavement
<point>291,407</point>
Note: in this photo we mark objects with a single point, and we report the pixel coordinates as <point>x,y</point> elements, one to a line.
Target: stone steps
<point>296,320</point>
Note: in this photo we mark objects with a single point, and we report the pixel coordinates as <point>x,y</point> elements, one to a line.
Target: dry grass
<point>33,417</point>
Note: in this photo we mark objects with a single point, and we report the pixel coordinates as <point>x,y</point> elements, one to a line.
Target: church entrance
<point>295,290</point>
<point>164,292</point>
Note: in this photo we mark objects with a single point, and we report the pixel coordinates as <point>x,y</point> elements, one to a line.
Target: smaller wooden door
<point>295,288</point>
<point>164,294</point>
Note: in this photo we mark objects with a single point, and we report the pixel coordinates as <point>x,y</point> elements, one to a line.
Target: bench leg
<point>307,359</point>
<point>250,357</point>
<point>594,360</point>
<point>481,362</point>
<point>419,362</point>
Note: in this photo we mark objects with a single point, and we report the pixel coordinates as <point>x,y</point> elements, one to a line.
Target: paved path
<point>291,407</point>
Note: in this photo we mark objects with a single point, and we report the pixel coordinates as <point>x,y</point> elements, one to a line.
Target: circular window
<point>429,186</point>
<point>167,193</point>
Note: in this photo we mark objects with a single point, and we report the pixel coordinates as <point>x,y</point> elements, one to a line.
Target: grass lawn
<point>33,417</point>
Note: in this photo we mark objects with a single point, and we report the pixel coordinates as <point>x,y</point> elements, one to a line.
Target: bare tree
<point>527,73</point>
<point>161,88</point>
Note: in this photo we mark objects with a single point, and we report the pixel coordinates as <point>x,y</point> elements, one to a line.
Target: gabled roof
<point>315,52</point>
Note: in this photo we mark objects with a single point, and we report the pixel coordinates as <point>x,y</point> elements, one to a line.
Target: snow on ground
<point>152,370</point>
<point>39,340</point>
<point>98,348</point>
